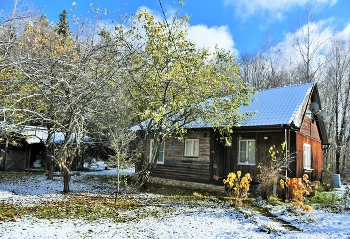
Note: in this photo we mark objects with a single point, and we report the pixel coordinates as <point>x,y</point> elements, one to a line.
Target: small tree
<point>121,137</point>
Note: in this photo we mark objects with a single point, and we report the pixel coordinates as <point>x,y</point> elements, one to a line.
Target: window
<point>160,159</point>
<point>307,156</point>
<point>192,147</point>
<point>246,152</point>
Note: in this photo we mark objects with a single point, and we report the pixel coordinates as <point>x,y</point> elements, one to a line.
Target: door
<point>15,160</point>
<point>218,162</point>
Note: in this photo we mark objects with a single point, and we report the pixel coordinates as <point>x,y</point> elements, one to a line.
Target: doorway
<point>218,162</point>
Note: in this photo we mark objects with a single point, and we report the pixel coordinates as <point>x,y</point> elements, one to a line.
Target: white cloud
<point>204,36</point>
<point>273,8</point>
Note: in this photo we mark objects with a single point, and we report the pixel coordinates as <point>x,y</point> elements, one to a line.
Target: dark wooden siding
<point>263,141</point>
<point>177,166</point>
<point>15,160</point>
<point>199,169</point>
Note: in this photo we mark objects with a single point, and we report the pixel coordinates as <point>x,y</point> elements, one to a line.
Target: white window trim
<point>193,154</point>
<point>239,150</point>
<point>160,160</point>
<point>307,156</point>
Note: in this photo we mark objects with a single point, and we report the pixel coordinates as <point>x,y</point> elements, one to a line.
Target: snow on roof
<point>36,135</point>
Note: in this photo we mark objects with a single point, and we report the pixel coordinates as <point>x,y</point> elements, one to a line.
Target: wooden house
<point>290,114</point>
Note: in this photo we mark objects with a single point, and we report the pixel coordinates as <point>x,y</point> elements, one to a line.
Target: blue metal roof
<point>272,107</point>
<point>278,106</point>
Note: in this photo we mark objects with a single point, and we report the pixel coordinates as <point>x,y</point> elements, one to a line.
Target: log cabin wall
<point>179,167</point>
<point>263,142</point>
<point>309,134</point>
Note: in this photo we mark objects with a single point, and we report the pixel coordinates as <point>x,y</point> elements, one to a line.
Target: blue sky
<point>239,25</point>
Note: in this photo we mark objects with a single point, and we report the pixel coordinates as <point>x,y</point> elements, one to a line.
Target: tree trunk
<point>337,161</point>
<point>50,168</point>
<point>65,171</point>
<point>66,181</point>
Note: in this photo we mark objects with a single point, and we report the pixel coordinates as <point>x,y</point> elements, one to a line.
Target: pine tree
<point>63,25</point>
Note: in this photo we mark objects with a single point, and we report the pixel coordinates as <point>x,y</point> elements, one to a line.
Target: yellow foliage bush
<point>296,191</point>
<point>237,187</point>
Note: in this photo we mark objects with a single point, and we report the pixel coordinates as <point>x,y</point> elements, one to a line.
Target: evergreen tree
<point>63,25</point>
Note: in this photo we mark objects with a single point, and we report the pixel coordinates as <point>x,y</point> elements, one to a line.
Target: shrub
<point>296,190</point>
<point>325,198</point>
<point>237,187</point>
<point>271,169</point>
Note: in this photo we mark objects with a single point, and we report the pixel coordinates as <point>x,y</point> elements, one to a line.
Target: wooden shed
<point>24,151</point>
<point>291,114</point>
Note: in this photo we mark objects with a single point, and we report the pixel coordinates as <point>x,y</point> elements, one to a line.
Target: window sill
<point>308,169</point>
<point>246,164</point>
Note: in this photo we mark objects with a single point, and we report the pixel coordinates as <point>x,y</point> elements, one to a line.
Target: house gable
<point>309,129</point>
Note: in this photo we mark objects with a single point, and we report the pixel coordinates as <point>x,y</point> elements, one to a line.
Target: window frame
<point>161,153</point>
<point>194,151</point>
<point>307,156</point>
<point>246,162</point>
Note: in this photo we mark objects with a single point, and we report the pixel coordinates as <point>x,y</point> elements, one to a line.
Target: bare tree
<point>262,70</point>
<point>336,86</point>
<point>253,70</point>
<point>309,45</point>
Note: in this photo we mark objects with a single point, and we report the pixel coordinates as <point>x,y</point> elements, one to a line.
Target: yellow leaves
<point>282,183</point>
<point>170,76</point>
<point>237,186</point>
<point>283,145</point>
<point>300,205</point>
<point>275,153</point>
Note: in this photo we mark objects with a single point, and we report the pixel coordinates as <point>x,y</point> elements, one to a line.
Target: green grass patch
<point>324,198</point>
<point>9,212</point>
<point>90,209</point>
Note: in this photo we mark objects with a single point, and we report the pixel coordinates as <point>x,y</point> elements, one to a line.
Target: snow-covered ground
<point>214,220</point>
